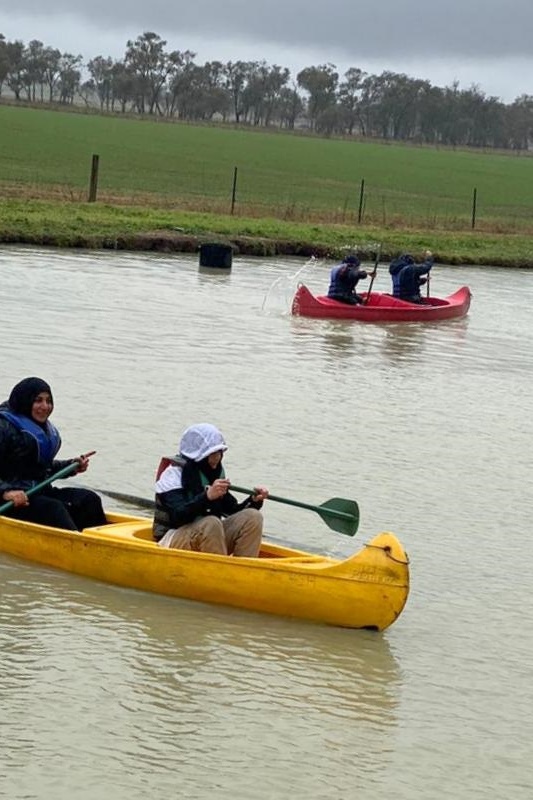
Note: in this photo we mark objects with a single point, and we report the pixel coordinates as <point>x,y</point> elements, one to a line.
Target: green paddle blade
<point>342,524</point>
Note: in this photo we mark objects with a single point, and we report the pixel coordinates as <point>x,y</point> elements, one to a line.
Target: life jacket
<point>167,461</point>
<point>342,280</point>
<point>161,522</point>
<point>47,439</point>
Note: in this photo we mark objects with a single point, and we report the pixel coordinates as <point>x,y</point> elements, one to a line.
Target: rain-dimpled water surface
<point>111,693</point>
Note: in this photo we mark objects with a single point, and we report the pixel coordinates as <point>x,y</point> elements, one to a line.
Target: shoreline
<point>260,247</point>
<point>95,226</point>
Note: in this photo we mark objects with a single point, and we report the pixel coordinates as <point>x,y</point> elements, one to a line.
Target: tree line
<point>153,80</point>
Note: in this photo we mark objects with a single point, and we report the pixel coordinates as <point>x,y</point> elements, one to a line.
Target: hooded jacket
<point>395,269</point>
<point>180,489</point>
<point>407,277</point>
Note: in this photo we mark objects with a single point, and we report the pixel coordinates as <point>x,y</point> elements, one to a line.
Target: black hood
<point>24,393</point>
<point>400,262</point>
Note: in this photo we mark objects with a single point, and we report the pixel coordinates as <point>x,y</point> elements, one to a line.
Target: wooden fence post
<point>474,203</point>
<point>234,190</point>
<point>361,201</point>
<point>93,185</point>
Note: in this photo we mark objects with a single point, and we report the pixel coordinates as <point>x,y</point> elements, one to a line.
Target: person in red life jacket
<point>28,447</point>
<point>194,509</point>
<point>344,278</point>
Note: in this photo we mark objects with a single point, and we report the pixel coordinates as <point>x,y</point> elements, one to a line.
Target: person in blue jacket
<point>343,280</point>
<point>407,276</point>
<point>28,448</point>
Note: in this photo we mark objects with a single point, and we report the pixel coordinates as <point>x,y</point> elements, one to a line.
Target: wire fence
<point>234,194</point>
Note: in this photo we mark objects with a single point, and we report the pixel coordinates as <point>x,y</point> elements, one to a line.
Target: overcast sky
<point>483,42</point>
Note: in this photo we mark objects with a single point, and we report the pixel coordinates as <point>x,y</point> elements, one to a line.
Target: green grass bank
<point>100,226</point>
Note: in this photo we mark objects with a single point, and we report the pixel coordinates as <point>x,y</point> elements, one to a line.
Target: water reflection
<point>403,343</point>
<point>339,343</point>
<point>181,643</point>
<point>212,275</point>
<point>337,339</point>
<point>397,344</point>
<point>149,683</point>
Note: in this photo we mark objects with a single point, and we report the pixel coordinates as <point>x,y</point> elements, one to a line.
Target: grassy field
<point>47,154</point>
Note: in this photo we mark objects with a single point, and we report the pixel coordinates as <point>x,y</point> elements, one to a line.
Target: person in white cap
<point>194,509</point>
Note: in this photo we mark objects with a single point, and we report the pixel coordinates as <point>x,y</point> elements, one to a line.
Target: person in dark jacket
<point>28,446</point>
<point>194,509</point>
<point>395,268</point>
<point>343,280</point>
<point>407,277</point>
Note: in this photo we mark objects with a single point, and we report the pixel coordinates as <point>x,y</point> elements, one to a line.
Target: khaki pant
<point>238,535</point>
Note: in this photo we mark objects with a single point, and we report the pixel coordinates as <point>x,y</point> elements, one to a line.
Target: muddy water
<point>112,693</point>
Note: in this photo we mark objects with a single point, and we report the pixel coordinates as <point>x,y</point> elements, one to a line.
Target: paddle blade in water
<point>347,524</point>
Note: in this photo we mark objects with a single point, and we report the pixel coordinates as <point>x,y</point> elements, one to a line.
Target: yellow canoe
<point>367,590</point>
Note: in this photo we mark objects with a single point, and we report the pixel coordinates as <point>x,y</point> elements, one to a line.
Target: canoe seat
<point>145,534</point>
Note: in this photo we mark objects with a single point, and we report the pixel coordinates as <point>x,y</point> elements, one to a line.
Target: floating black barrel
<point>216,255</point>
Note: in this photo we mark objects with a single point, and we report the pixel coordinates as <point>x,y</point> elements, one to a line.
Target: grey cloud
<point>409,29</point>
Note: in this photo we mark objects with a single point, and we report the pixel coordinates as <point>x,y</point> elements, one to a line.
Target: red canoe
<point>382,307</point>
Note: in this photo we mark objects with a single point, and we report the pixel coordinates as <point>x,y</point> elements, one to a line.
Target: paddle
<point>428,254</point>
<point>61,474</point>
<point>339,514</point>
<point>376,262</point>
